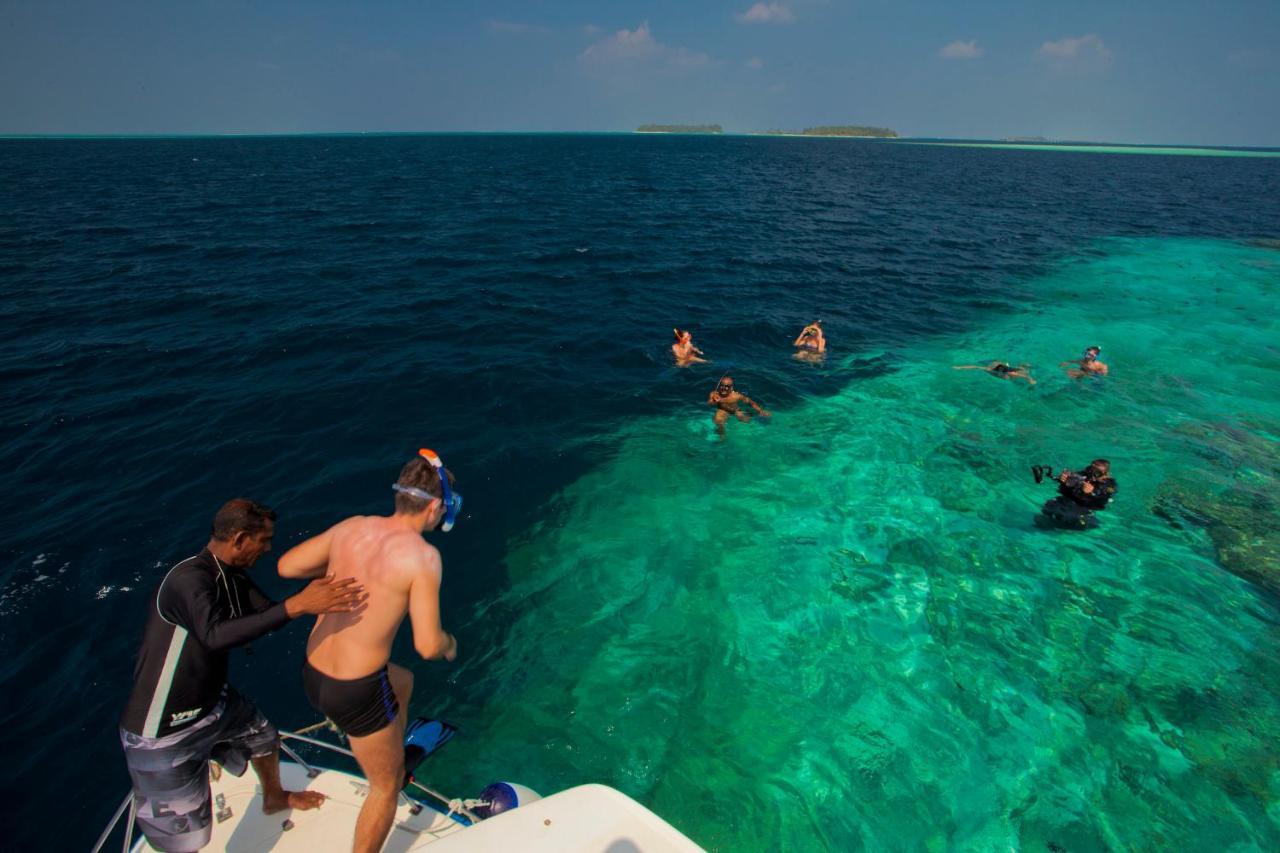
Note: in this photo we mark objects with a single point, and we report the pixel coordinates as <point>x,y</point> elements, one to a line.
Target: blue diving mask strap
<point>451,500</point>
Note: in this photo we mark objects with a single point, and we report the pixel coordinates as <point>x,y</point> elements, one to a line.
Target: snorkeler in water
<point>1001,370</point>
<point>726,399</point>
<point>1086,365</point>
<point>811,339</point>
<point>684,350</point>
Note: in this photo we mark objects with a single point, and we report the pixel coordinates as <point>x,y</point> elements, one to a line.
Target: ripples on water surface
<point>836,630</point>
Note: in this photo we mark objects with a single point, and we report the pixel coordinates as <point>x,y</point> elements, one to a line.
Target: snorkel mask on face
<point>451,500</point>
<point>1092,353</point>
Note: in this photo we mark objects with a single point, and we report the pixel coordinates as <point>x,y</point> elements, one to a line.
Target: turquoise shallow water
<point>841,630</point>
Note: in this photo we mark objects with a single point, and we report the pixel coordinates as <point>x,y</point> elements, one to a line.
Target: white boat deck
<point>585,818</point>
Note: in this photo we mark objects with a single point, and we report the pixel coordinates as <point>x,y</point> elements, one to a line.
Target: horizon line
<point>738,133</point>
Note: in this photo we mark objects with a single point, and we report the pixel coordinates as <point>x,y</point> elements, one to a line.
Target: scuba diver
<point>811,340</point>
<point>726,399</point>
<point>1079,494</point>
<point>1001,370</point>
<point>684,350</point>
<point>1086,365</point>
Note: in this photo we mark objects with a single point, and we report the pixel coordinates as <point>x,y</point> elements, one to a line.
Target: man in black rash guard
<point>182,712</point>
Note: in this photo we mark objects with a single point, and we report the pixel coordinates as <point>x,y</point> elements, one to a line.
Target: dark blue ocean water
<point>287,319</point>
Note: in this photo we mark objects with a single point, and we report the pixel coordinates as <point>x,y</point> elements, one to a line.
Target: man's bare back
<point>387,558</point>
<point>348,675</point>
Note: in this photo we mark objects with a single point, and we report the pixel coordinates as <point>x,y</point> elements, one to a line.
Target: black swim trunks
<point>358,706</point>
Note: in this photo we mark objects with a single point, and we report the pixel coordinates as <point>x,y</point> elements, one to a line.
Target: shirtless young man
<point>726,399</point>
<point>1088,365</point>
<point>347,675</point>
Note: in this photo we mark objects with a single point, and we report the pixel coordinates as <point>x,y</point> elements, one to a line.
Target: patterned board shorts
<point>171,773</point>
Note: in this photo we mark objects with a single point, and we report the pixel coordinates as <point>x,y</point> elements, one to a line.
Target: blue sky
<point>1174,72</point>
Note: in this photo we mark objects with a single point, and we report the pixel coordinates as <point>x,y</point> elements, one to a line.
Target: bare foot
<point>300,800</point>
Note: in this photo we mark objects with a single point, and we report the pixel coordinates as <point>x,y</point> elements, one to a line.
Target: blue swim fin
<point>423,737</point>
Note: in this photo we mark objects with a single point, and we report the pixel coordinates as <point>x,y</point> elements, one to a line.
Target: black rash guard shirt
<point>201,610</point>
<point>1104,490</point>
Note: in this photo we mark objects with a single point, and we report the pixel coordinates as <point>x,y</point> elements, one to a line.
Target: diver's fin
<point>423,737</point>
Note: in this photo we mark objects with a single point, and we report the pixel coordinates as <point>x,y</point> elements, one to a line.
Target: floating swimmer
<point>1086,365</point>
<point>684,350</point>
<point>726,399</point>
<point>811,339</point>
<point>1001,370</point>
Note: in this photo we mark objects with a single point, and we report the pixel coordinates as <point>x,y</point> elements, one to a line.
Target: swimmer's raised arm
<point>430,639</point>
<point>308,559</point>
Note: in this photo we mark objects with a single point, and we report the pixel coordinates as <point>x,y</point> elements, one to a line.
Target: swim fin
<point>423,737</point>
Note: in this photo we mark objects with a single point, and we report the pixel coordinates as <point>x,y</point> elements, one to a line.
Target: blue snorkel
<point>451,500</point>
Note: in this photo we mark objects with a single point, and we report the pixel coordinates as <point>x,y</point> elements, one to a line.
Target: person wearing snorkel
<point>348,675</point>
<point>726,399</point>
<point>1087,365</point>
<point>811,340</point>
<point>684,350</point>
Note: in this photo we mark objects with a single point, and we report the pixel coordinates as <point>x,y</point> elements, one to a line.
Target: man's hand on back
<point>326,595</point>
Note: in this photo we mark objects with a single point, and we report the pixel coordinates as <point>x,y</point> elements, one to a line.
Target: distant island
<point>838,130</point>
<point>679,128</point>
<point>1025,139</point>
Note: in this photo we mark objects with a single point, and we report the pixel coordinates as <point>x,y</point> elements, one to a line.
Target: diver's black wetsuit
<point>1073,508</point>
<point>1103,490</point>
<point>201,610</point>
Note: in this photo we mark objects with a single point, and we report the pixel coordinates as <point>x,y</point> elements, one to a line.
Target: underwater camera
<point>1043,472</point>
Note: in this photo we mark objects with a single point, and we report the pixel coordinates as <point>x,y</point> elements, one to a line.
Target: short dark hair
<point>1101,463</point>
<point>241,515</point>
<point>418,473</point>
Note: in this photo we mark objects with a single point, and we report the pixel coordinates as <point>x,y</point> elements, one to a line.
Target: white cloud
<point>1087,46</point>
<point>961,50</point>
<point>766,13</point>
<point>639,45</point>
<point>516,27</point>
<point>754,62</point>
<point>622,45</point>
<point>591,30</point>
